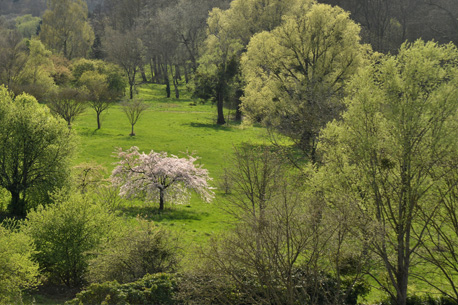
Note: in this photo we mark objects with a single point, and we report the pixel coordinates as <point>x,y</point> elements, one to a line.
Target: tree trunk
<point>142,71</point>
<point>166,80</point>
<point>99,123</point>
<point>17,205</point>
<point>132,133</point>
<point>161,199</point>
<point>186,75</point>
<point>219,106</point>
<point>131,91</point>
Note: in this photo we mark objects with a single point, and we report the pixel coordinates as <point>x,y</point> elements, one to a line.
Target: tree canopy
<point>35,148</point>
<point>295,73</point>
<point>394,153</point>
<point>65,28</point>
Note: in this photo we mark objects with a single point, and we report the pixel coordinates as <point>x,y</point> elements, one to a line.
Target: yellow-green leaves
<point>296,72</point>
<point>65,28</point>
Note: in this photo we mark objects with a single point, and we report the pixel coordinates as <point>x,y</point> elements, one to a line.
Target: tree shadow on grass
<point>211,126</point>
<point>168,214</point>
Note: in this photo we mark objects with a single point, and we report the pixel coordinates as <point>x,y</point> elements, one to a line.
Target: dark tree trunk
<point>161,199</point>
<point>142,71</point>
<point>186,75</point>
<point>166,80</point>
<point>131,91</point>
<point>238,103</point>
<point>99,123</point>
<point>132,133</point>
<point>219,106</point>
<point>17,205</point>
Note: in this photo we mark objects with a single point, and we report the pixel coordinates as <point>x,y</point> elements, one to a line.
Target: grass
<point>175,126</point>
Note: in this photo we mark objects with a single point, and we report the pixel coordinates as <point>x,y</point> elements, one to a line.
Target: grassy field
<point>175,126</point>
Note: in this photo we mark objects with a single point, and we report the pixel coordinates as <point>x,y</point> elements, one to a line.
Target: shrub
<point>65,233</point>
<point>151,289</point>
<point>135,252</point>
<point>18,271</point>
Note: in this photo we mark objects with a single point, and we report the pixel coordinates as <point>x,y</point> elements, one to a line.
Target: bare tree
<point>133,110</point>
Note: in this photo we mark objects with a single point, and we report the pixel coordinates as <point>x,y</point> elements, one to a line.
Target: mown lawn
<point>175,126</point>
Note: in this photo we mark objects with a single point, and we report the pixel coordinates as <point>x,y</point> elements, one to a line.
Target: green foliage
<point>35,148</point>
<point>151,289</point>
<point>134,252</point>
<point>28,25</point>
<point>66,235</point>
<point>19,272</point>
<point>295,73</point>
<point>391,156</point>
<point>36,76</point>
<point>65,28</point>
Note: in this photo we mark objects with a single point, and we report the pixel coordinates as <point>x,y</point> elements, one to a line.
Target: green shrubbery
<point>66,235</point>
<point>18,271</point>
<point>134,252</point>
<point>151,289</point>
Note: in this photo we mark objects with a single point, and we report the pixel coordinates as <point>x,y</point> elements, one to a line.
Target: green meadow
<point>176,126</point>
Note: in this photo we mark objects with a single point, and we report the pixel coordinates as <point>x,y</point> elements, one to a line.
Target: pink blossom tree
<point>156,176</point>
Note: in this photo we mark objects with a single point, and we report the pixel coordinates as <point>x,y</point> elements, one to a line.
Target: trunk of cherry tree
<point>161,199</point>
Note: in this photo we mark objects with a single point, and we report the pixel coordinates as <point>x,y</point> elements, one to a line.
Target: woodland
<point>229,152</point>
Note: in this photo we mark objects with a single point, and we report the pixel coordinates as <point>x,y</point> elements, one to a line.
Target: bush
<point>151,289</point>
<point>65,233</point>
<point>135,252</point>
<point>18,271</point>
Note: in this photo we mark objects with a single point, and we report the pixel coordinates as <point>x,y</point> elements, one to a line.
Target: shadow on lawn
<point>211,126</point>
<point>167,214</point>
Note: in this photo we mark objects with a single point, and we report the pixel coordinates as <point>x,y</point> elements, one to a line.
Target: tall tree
<point>127,51</point>
<point>35,148</point>
<point>228,33</point>
<point>392,150</point>
<point>295,74</point>
<point>65,28</point>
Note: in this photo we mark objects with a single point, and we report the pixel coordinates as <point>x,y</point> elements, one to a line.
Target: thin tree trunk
<point>219,106</point>
<point>132,133</point>
<point>142,71</point>
<point>161,199</point>
<point>99,123</point>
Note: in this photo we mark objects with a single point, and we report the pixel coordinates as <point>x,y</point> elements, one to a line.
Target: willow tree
<point>393,153</point>
<point>295,73</point>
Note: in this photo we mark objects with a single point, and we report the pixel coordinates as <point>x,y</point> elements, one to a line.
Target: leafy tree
<point>68,103</point>
<point>295,74</point>
<point>13,56</point>
<point>65,233</point>
<point>36,76</point>
<point>156,175</point>
<point>19,271</point>
<point>35,148</point>
<point>228,33</point>
<point>133,110</point>
<point>103,83</point>
<point>28,25</point>
<point>65,28</point>
<point>393,150</point>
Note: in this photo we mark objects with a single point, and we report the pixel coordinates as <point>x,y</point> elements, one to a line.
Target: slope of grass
<point>175,126</point>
